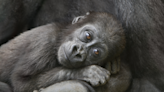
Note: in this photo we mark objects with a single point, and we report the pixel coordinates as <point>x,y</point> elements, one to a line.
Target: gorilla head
<point>93,39</point>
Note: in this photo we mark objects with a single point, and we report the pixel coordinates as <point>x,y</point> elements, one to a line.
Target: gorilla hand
<point>95,75</point>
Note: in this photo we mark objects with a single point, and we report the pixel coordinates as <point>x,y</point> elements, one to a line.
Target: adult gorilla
<point>143,21</point>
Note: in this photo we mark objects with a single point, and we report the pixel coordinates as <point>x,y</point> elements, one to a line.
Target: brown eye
<point>96,51</point>
<point>88,36</point>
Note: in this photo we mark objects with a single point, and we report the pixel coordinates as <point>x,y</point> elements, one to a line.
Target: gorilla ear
<point>79,18</point>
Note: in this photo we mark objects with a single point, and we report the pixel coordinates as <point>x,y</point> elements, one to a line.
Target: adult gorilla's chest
<point>66,10</point>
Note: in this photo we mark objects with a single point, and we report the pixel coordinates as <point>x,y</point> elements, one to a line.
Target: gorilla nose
<point>78,53</point>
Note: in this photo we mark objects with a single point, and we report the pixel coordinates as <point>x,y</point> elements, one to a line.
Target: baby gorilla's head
<point>94,38</point>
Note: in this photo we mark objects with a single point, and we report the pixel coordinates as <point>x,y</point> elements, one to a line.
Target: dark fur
<point>5,87</point>
<point>29,61</point>
<point>143,21</point>
<point>15,17</point>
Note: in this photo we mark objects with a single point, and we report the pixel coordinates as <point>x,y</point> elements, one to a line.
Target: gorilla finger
<point>107,77</point>
<point>103,80</point>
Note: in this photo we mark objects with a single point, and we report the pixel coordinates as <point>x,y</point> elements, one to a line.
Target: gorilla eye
<point>96,51</point>
<point>88,36</point>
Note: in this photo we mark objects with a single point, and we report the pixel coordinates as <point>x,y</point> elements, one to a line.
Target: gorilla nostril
<point>74,49</point>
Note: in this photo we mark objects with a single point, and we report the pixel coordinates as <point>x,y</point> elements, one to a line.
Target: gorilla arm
<point>118,82</point>
<point>93,74</point>
<point>68,86</point>
<point>25,58</point>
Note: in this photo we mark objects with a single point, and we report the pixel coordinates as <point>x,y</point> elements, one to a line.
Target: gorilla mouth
<point>68,63</point>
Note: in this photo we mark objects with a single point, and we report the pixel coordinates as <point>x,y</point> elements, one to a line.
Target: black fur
<point>38,58</point>
<point>143,21</point>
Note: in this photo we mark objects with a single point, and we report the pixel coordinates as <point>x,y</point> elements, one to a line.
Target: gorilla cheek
<point>62,58</point>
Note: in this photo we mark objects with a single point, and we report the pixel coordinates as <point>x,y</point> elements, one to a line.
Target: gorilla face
<point>87,46</point>
<point>91,40</point>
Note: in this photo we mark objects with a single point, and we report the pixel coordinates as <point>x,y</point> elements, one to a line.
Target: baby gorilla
<point>56,53</point>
